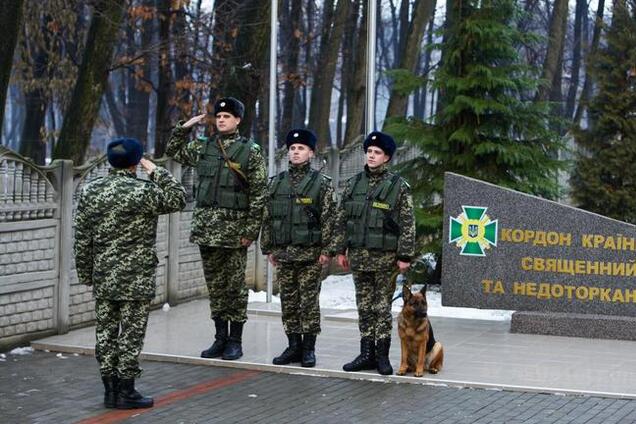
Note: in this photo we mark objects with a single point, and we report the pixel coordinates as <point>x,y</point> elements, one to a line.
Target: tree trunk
<point>139,88</point>
<point>422,12</point>
<point>581,9</point>
<point>587,86</point>
<point>162,116</point>
<point>114,112</point>
<point>292,77</point>
<point>356,95</point>
<point>556,41</point>
<point>323,83</point>
<point>10,22</point>
<point>80,117</point>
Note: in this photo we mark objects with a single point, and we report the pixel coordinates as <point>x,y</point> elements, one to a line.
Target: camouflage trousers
<point>120,332</point>
<point>299,285</point>
<point>224,270</point>
<point>374,292</point>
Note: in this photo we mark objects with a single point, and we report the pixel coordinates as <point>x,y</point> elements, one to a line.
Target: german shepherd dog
<point>420,351</point>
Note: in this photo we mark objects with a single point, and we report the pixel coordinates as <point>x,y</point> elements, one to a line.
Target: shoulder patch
<point>202,139</point>
<point>254,146</point>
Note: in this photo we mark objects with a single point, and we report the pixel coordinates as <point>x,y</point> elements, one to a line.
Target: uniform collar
<point>376,172</point>
<point>301,169</point>
<point>124,172</point>
<point>231,136</point>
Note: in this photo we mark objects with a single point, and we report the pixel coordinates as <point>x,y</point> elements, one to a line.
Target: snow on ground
<point>22,351</point>
<point>338,292</point>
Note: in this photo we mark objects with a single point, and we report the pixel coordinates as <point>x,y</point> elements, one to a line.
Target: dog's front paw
<point>418,373</point>
<point>433,370</point>
<point>401,371</point>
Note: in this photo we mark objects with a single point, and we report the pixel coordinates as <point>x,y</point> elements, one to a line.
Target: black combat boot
<point>233,349</point>
<point>220,339</point>
<point>309,345</point>
<point>111,383</point>
<point>292,353</point>
<point>366,359</point>
<point>382,354</point>
<point>129,398</point>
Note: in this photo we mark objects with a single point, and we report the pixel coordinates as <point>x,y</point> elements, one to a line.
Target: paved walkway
<point>45,388</point>
<point>479,354</point>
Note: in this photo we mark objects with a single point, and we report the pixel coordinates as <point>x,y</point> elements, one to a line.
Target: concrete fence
<point>39,291</point>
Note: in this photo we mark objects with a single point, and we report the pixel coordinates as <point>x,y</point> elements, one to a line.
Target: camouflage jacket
<point>371,260</point>
<point>221,227</point>
<point>327,221</point>
<point>116,229</point>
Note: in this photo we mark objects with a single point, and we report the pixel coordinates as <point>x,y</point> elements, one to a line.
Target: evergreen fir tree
<point>604,178</point>
<point>486,126</point>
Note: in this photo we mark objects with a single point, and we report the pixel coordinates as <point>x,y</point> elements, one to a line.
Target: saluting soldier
<point>115,233</point>
<point>376,236</point>
<point>227,216</point>
<point>297,238</point>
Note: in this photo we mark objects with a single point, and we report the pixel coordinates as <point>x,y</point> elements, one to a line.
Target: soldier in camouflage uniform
<point>297,237</point>
<point>227,218</point>
<point>115,232</point>
<point>376,229</point>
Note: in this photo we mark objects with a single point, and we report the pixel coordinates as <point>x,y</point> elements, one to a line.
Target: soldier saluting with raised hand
<point>115,233</point>
<point>227,216</point>
<point>297,237</point>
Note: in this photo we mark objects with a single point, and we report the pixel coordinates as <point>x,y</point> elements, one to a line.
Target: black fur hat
<point>381,140</point>
<point>124,152</point>
<point>230,105</point>
<point>306,137</point>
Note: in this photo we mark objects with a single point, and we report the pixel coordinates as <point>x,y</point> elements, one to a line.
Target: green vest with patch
<point>370,215</point>
<point>219,186</point>
<point>296,212</point>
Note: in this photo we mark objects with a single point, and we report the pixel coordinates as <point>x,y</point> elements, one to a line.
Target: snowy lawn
<point>338,293</point>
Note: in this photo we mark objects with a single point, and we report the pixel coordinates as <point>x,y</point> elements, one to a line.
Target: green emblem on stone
<point>473,231</point>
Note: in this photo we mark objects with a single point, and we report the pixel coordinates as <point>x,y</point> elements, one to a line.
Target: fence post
<point>173,243</point>
<point>334,166</point>
<point>65,181</point>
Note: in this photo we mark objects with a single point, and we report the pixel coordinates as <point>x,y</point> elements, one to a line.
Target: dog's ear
<point>423,290</point>
<point>406,293</point>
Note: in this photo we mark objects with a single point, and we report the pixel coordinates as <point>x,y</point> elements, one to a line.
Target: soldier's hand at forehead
<point>343,262</point>
<point>147,165</point>
<point>324,259</point>
<point>194,121</point>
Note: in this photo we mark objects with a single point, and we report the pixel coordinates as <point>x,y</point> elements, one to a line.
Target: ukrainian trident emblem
<point>473,231</point>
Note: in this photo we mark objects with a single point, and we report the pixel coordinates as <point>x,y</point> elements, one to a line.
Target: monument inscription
<point>507,250</point>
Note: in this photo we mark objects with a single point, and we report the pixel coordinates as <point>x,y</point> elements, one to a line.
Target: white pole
<point>273,43</point>
<point>371,39</point>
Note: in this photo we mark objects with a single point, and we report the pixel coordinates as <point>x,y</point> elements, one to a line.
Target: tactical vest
<point>219,186</point>
<point>296,213</point>
<point>370,216</point>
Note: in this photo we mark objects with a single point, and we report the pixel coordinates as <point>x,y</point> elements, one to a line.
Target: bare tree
<point>587,85</point>
<point>324,75</point>
<point>356,88</point>
<point>581,10</point>
<point>554,54</point>
<point>410,55</point>
<point>10,21</point>
<point>82,112</point>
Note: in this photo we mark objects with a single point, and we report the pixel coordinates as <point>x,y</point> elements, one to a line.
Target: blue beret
<point>300,136</point>
<point>124,152</point>
<point>381,140</point>
<point>230,105</point>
